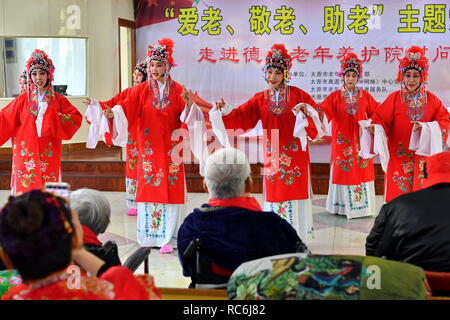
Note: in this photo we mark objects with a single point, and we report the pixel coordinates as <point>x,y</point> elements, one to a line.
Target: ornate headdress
<point>141,66</point>
<point>23,75</point>
<point>279,58</point>
<point>162,51</point>
<point>40,60</point>
<point>414,59</point>
<point>350,62</point>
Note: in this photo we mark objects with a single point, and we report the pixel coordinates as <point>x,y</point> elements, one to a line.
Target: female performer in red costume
<point>351,189</point>
<point>415,123</point>
<point>156,110</point>
<point>37,121</point>
<point>288,117</point>
<point>132,150</point>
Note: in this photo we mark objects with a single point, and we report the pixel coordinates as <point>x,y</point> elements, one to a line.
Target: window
<point>68,56</point>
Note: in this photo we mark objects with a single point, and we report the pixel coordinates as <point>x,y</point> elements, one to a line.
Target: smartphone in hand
<point>61,189</point>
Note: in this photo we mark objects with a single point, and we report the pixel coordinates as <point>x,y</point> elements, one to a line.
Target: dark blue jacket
<point>230,236</point>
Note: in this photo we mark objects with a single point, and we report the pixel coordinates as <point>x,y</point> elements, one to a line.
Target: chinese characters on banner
<point>220,46</point>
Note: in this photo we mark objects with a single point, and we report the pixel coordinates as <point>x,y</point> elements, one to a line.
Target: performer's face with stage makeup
<point>39,78</point>
<point>22,85</point>
<point>350,80</point>
<point>412,80</point>
<point>137,77</point>
<point>157,70</point>
<point>274,78</point>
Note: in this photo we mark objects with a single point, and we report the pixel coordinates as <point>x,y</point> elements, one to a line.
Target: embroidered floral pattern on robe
<point>26,179</point>
<point>173,172</point>
<point>285,172</point>
<point>48,95</point>
<point>67,118</point>
<point>156,216</point>
<point>133,153</point>
<point>160,103</point>
<point>351,105</point>
<point>277,107</point>
<point>404,183</point>
<point>345,162</point>
<point>414,111</point>
<point>421,175</point>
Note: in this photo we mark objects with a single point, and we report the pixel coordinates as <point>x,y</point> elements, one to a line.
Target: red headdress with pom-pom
<point>40,60</point>
<point>162,51</point>
<point>279,58</point>
<point>350,62</point>
<point>414,59</point>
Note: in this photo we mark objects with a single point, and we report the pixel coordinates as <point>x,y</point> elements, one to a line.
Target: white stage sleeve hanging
<point>314,115</point>
<point>93,116</point>
<point>195,121</point>
<point>326,125</point>
<point>428,140</point>
<point>373,144</point>
<point>301,123</point>
<point>215,116</point>
<point>366,140</point>
<point>380,146</point>
<point>120,127</point>
<point>99,125</point>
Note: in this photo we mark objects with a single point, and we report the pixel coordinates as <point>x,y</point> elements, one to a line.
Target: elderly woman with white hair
<point>94,212</point>
<point>231,227</point>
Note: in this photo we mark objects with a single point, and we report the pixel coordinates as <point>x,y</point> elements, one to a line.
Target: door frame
<point>132,25</point>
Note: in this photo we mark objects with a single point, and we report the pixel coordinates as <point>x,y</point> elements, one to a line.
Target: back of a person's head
<point>226,171</point>
<point>93,208</point>
<point>36,233</point>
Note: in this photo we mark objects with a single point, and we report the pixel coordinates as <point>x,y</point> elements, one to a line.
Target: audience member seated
<point>41,237</point>
<point>231,227</point>
<point>94,212</point>
<point>415,227</point>
<point>335,277</point>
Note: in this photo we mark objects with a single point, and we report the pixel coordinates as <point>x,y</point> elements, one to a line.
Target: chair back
<point>439,283</point>
<point>206,275</point>
<point>296,276</point>
<point>108,252</point>
<point>136,258</point>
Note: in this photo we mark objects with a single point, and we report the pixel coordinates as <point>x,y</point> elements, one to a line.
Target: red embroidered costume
<point>37,125</point>
<point>351,190</point>
<point>397,115</point>
<point>287,165</point>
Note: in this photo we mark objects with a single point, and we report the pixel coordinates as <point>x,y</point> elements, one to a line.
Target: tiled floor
<point>333,235</point>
